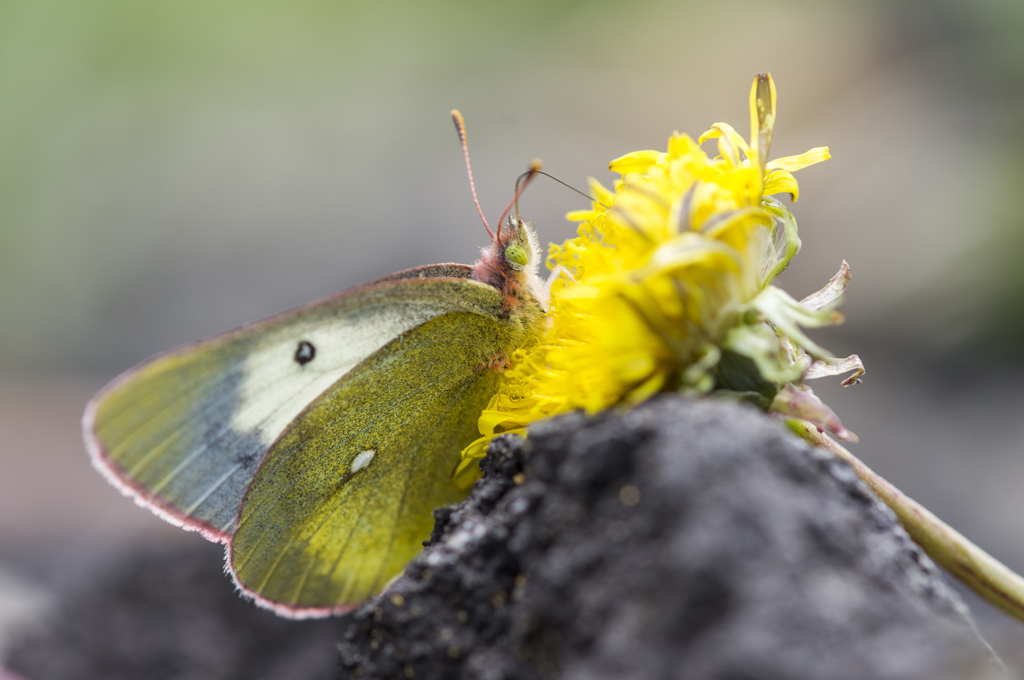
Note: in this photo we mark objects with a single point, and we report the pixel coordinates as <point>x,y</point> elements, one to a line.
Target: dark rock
<point>679,540</point>
<point>172,614</point>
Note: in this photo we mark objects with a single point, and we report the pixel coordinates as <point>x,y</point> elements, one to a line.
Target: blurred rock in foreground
<point>680,540</point>
<point>172,614</point>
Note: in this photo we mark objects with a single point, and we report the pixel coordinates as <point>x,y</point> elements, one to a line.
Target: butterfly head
<point>520,249</point>
<point>510,263</point>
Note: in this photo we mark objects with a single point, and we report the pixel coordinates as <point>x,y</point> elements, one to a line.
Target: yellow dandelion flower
<point>668,287</point>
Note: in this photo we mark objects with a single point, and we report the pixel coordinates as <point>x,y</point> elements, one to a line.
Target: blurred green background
<point>169,170</point>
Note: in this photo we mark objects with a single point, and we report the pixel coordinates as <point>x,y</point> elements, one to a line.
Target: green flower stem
<point>978,570</point>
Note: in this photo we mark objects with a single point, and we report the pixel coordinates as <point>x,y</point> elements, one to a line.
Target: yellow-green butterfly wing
<point>251,437</point>
<point>345,498</point>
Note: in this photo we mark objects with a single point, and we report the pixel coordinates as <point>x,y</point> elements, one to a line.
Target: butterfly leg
<point>558,270</point>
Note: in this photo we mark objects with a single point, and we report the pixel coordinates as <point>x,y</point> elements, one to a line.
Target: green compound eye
<point>516,254</point>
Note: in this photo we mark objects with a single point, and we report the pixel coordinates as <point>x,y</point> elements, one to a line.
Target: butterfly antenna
<point>522,182</point>
<point>537,171</point>
<point>569,186</point>
<point>460,127</point>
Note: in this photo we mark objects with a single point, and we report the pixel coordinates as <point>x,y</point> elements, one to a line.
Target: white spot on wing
<point>362,460</point>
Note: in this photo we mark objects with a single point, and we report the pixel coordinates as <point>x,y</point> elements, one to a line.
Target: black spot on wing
<point>248,449</point>
<point>304,353</point>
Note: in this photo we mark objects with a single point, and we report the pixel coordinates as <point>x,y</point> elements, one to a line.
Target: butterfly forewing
<point>164,435</point>
<point>184,433</point>
<point>344,499</point>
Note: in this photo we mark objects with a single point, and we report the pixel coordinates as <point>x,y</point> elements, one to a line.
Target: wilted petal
<point>824,368</point>
<point>762,116</point>
<point>833,290</point>
<point>788,315</point>
<point>800,402</point>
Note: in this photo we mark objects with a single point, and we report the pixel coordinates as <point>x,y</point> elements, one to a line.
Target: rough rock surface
<point>679,540</point>
<point>172,614</point>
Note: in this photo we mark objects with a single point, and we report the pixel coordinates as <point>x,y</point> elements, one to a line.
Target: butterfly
<point>315,444</point>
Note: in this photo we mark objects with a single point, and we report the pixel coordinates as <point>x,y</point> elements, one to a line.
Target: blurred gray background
<point>169,170</point>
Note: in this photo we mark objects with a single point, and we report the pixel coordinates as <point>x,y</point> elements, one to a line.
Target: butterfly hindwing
<point>185,433</point>
<point>344,499</point>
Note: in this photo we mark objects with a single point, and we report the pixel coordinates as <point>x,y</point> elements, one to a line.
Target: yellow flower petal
<point>730,143</point>
<point>478,449</point>
<point>581,215</point>
<point>716,227</point>
<point>680,146</point>
<point>638,161</point>
<point>647,389</point>
<point>689,249</point>
<point>494,422</point>
<point>794,163</point>
<point>781,182</point>
<point>603,195</point>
